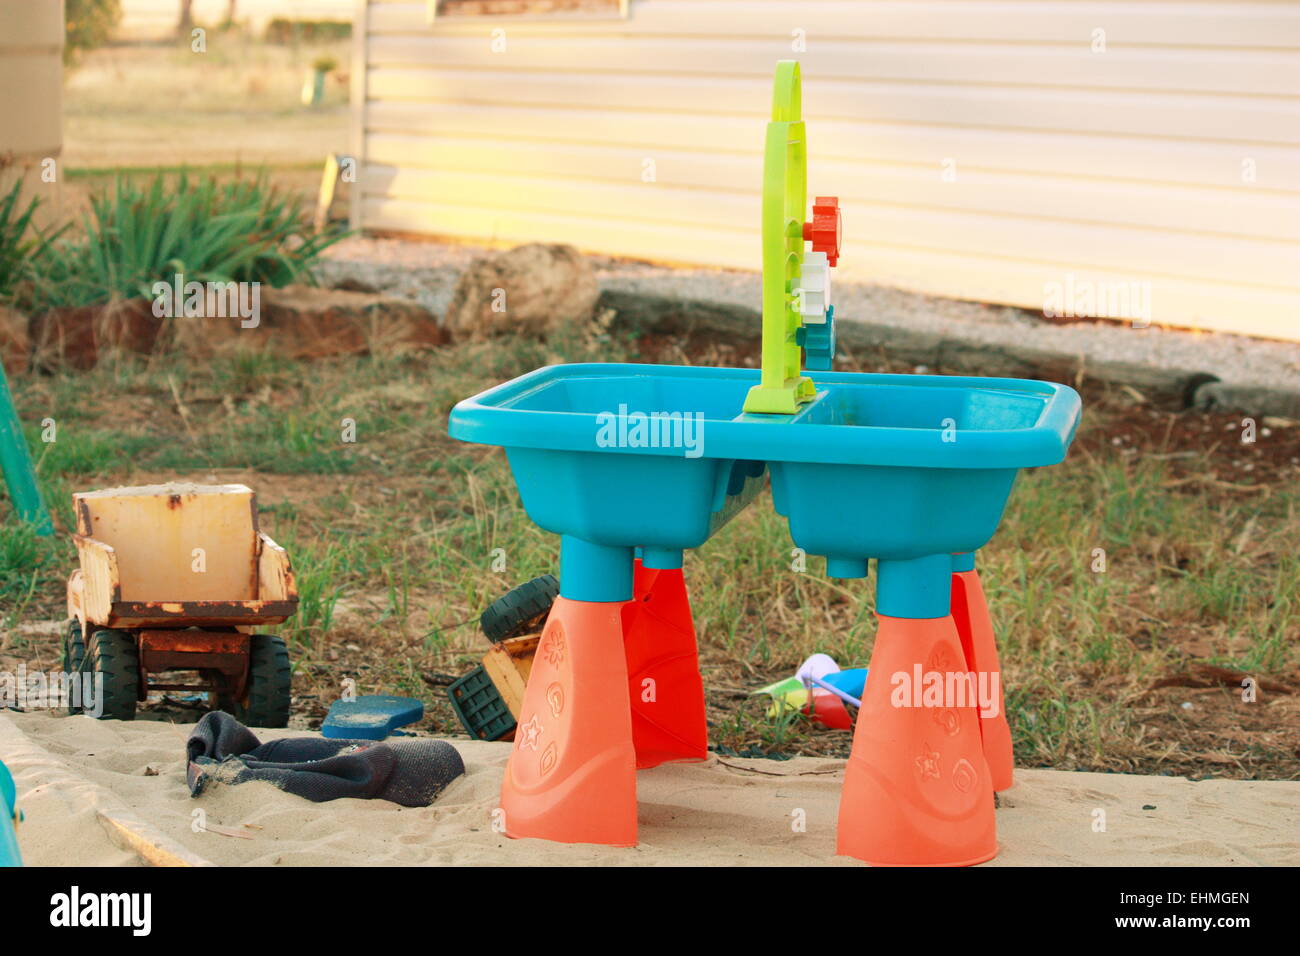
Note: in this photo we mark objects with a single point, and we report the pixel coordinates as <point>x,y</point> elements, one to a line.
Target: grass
<point>393,539</point>
<point>25,563</point>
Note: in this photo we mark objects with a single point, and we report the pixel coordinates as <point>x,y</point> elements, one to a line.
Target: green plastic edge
<point>782,388</point>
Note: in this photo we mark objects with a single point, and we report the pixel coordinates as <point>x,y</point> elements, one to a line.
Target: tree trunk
<point>186,22</point>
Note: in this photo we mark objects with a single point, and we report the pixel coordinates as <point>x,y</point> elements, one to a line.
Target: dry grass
<point>238,102</point>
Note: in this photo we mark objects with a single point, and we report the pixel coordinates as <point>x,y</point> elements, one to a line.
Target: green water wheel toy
<point>798,318</point>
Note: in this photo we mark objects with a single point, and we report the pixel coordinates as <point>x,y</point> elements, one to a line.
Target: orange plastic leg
<point>971,612</point>
<point>663,668</point>
<point>572,773</point>
<point>917,789</point>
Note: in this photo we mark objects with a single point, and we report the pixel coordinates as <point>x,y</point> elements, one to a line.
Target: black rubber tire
<point>115,656</point>
<point>270,683</point>
<point>521,609</point>
<point>74,655</point>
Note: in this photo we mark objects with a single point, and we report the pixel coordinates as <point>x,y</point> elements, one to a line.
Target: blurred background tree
<point>88,24</point>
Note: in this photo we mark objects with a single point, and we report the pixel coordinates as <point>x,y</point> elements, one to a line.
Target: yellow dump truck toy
<point>175,578</point>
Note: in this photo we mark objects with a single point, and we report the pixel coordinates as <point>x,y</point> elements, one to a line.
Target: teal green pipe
<point>594,572</point>
<point>915,587</point>
<point>16,464</point>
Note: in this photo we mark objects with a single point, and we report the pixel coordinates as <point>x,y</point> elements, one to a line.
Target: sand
<point>112,794</point>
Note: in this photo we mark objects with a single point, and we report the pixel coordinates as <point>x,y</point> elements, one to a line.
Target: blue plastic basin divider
<point>887,430</point>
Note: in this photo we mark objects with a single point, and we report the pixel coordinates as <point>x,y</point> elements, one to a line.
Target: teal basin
<point>616,457</point>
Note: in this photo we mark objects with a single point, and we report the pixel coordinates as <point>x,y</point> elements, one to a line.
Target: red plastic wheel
<point>826,228</point>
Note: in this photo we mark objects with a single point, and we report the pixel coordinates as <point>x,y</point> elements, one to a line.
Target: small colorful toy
<point>10,817</point>
<point>632,464</point>
<point>819,689</point>
<point>176,578</point>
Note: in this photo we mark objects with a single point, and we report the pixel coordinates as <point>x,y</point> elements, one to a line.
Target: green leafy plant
<point>22,246</point>
<point>136,235</point>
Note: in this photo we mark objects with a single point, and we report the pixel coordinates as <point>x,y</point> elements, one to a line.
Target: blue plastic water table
<point>908,469</point>
<point>913,471</point>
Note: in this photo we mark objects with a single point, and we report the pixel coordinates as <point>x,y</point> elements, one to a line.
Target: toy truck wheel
<point>520,609</point>
<point>269,683</point>
<point>74,655</point>
<point>113,655</point>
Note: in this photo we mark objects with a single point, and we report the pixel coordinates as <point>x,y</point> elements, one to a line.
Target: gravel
<point>427,272</point>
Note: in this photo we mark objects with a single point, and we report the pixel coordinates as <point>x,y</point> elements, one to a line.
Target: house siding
<point>980,150</point>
